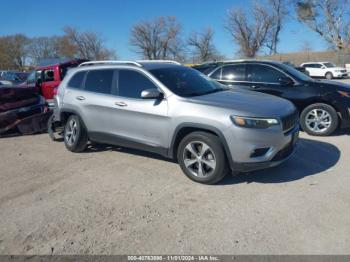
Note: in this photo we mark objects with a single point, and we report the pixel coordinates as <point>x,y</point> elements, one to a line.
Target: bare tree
<point>278,15</point>
<point>43,47</point>
<point>347,37</point>
<point>14,51</point>
<point>325,17</point>
<point>249,35</point>
<point>203,46</point>
<point>157,39</point>
<point>88,45</point>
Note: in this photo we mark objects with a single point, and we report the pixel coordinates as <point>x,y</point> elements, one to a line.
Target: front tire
<point>329,76</point>
<point>319,120</point>
<point>75,135</point>
<point>202,158</point>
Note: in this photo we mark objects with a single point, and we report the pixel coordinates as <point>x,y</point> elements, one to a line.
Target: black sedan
<point>323,105</point>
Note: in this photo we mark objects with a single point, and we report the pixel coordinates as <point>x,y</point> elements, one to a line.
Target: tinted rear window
<point>99,81</point>
<point>77,80</point>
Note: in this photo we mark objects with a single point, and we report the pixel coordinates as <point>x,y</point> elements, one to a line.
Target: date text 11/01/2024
<point>173,258</point>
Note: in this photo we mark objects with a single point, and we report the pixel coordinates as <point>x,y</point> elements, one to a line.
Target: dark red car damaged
<point>22,110</point>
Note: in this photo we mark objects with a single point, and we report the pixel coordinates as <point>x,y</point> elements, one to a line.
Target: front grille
<point>289,121</point>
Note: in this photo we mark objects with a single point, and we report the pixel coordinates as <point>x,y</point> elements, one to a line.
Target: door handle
<point>254,87</point>
<point>120,104</point>
<point>80,98</point>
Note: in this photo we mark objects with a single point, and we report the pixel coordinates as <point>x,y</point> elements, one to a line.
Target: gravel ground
<point>110,200</point>
<point>118,201</point>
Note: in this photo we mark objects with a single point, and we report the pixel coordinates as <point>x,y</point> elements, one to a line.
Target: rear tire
<point>202,157</point>
<point>54,129</point>
<point>319,120</point>
<point>75,135</point>
<point>329,76</point>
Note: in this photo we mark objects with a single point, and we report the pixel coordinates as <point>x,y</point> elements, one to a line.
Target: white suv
<point>324,69</point>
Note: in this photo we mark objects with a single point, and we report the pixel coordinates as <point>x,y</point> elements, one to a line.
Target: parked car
<point>323,105</point>
<point>48,77</point>
<point>324,69</point>
<point>299,68</point>
<point>22,110</point>
<point>173,110</point>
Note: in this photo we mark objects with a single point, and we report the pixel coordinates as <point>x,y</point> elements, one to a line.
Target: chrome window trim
<point>273,83</point>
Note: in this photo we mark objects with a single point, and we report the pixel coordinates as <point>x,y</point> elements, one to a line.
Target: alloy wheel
<point>71,132</point>
<point>318,120</point>
<point>199,159</point>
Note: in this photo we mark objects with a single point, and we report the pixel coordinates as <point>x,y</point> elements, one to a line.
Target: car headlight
<point>251,122</point>
<point>344,93</point>
<point>337,71</point>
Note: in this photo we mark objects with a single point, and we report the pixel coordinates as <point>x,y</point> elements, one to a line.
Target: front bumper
<point>340,75</point>
<point>280,148</point>
<point>281,156</point>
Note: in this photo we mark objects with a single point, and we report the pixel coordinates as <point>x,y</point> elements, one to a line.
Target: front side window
<point>132,83</point>
<point>263,74</point>
<point>187,82</point>
<point>233,73</point>
<point>329,65</point>
<point>77,80</point>
<point>99,81</point>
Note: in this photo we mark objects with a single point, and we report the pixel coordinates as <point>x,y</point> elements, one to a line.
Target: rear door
<point>96,100</point>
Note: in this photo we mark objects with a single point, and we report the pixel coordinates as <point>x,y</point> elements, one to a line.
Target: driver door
<point>139,120</point>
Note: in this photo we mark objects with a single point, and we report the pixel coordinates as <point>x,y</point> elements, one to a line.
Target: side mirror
<point>151,93</point>
<point>323,67</point>
<point>285,81</point>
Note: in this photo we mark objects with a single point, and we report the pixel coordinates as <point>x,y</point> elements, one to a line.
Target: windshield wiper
<point>206,92</point>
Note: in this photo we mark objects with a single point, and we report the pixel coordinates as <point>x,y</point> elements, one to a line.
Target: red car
<point>48,77</point>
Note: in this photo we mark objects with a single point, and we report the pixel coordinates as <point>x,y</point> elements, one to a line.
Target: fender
<point>200,127</point>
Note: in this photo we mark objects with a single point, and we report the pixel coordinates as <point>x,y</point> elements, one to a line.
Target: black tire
<point>215,151</point>
<point>54,129</point>
<point>329,75</point>
<point>81,138</point>
<point>334,119</point>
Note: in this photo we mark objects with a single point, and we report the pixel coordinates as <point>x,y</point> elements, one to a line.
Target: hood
<point>247,103</point>
<point>331,85</point>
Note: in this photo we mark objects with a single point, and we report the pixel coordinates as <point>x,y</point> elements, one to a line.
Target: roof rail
<point>110,62</point>
<point>159,61</point>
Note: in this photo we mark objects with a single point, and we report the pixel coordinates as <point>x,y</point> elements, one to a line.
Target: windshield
<point>329,65</point>
<point>187,82</point>
<point>295,73</point>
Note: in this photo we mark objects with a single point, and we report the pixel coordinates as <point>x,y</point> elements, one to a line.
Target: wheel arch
<point>319,101</point>
<point>186,128</point>
<point>66,113</point>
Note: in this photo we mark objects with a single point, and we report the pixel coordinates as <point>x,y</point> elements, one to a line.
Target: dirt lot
<point>113,201</point>
<point>117,201</point>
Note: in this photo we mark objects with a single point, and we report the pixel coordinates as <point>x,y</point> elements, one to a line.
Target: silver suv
<point>173,110</point>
